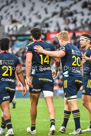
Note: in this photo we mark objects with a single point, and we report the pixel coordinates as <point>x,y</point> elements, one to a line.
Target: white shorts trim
<point>71,98</point>
<point>48,93</point>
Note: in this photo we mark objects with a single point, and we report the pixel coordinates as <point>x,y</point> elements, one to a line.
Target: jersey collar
<point>38,41</point>
<point>89,46</point>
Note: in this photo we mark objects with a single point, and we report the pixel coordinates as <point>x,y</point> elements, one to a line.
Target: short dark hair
<point>4,44</point>
<point>36,32</point>
<point>86,36</point>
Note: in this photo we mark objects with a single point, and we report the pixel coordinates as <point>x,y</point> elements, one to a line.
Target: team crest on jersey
<point>0,62</point>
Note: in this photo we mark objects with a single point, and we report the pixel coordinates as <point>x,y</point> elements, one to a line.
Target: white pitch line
<point>60,120</point>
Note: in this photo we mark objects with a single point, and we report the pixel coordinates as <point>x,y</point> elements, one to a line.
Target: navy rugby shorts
<point>6,95</point>
<point>41,82</point>
<point>71,85</point>
<point>87,86</point>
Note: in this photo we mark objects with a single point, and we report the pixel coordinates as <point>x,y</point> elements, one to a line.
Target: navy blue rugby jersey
<point>40,62</point>
<point>71,62</point>
<point>86,64</point>
<point>8,63</point>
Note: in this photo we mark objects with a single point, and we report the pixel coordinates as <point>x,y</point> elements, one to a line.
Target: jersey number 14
<point>44,60</point>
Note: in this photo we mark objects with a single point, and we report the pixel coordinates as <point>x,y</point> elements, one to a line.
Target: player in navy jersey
<point>72,79</point>
<point>85,41</point>
<point>38,71</point>
<point>9,64</point>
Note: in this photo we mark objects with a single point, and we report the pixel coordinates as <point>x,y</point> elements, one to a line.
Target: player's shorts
<point>71,86</point>
<point>6,95</point>
<point>87,86</point>
<point>47,94</point>
<point>41,82</point>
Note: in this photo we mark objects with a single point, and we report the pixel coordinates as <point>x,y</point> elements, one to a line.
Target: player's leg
<point>34,97</point>
<point>34,101</point>
<point>86,98</point>
<point>86,101</point>
<point>7,117</point>
<point>33,112</point>
<point>13,104</point>
<point>2,128</point>
<point>76,115</point>
<point>67,112</point>
<point>48,95</point>
<point>71,86</point>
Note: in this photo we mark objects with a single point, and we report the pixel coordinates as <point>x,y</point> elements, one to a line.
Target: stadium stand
<point>51,15</point>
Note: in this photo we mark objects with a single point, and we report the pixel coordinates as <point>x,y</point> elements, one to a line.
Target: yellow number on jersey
<point>46,59</point>
<point>77,61</point>
<point>6,68</point>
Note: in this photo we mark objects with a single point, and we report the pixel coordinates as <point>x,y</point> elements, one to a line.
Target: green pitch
<point>21,118</point>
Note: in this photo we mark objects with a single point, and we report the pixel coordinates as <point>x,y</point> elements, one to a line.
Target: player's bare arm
<point>57,54</point>
<point>28,68</point>
<point>54,73</point>
<point>21,79</point>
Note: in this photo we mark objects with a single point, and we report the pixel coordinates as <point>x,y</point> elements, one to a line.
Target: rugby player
<point>9,64</point>
<point>39,78</point>
<point>85,41</point>
<point>71,62</point>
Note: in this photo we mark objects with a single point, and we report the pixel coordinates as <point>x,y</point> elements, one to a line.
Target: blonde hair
<point>64,35</point>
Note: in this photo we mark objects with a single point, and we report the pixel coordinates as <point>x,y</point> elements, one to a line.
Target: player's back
<point>8,63</point>
<point>71,62</point>
<point>40,62</point>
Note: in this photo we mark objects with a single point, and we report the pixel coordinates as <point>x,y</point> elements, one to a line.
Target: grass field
<point>21,118</point>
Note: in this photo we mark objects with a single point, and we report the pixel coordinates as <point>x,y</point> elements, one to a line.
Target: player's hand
<point>84,57</point>
<point>24,91</point>
<point>54,73</point>
<point>38,49</point>
<point>29,83</point>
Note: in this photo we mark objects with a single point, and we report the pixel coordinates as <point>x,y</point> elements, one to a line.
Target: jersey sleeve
<point>29,49</point>
<point>52,48</point>
<point>17,62</point>
<point>63,48</point>
<point>88,54</point>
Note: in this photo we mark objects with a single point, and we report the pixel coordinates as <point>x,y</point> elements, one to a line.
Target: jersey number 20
<point>77,61</point>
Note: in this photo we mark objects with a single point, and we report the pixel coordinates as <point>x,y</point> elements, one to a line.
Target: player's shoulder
<point>49,45</point>
<point>75,47</point>
<point>13,56</point>
<point>30,43</point>
<point>89,48</point>
<point>88,51</point>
